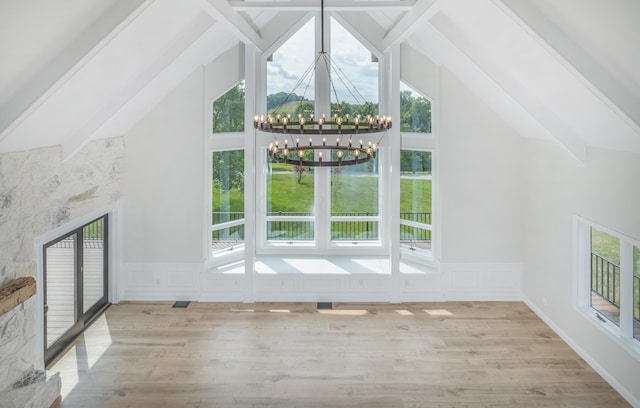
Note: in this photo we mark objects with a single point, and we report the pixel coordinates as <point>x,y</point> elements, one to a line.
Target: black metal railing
<point>341,230</point>
<point>605,282</point>
<point>421,217</point>
<point>218,217</point>
<point>636,296</point>
<point>605,279</point>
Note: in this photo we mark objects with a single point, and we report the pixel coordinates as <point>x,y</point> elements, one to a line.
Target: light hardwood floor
<point>454,354</point>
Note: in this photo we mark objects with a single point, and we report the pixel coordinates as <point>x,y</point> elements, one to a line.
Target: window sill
<point>225,256</point>
<point>630,345</point>
<point>333,265</point>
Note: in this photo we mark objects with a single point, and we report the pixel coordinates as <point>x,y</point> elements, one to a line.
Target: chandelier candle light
<point>295,151</point>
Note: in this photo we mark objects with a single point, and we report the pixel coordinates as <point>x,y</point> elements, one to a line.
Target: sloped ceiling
<point>565,71</point>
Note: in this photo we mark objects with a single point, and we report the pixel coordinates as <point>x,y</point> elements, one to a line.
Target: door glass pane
<point>93,271</point>
<point>605,275</point>
<point>227,212</point>
<point>290,202</point>
<point>636,292</point>
<point>354,202</point>
<point>415,199</point>
<point>60,287</point>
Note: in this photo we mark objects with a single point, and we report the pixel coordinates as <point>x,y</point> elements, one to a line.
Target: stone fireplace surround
<point>22,384</point>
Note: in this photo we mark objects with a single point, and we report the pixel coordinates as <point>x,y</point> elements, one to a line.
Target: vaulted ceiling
<point>77,70</point>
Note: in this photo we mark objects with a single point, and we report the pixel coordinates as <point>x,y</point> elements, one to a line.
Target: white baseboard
<point>631,399</point>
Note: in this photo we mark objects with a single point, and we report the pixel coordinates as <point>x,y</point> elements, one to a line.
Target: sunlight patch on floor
<point>355,312</point>
<point>403,312</point>
<point>97,340</point>
<point>438,312</point>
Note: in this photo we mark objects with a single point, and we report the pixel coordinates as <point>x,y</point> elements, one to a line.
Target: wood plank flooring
<point>454,354</point>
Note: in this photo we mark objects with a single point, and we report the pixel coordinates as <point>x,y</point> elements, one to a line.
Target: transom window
<point>415,111</point>
<point>228,111</point>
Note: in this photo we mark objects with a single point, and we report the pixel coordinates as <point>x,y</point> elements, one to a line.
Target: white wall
<point>164,180</point>
<point>604,190</point>
<point>480,176</point>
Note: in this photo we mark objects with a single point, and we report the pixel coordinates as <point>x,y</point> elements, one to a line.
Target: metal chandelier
<point>293,150</point>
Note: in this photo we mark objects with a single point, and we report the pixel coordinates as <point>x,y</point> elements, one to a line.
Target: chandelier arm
<point>306,73</point>
<point>340,74</point>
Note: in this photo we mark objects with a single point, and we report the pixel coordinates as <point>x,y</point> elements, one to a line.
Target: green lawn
<point>349,194</point>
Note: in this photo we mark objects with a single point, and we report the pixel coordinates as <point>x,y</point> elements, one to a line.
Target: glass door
<point>75,284</point>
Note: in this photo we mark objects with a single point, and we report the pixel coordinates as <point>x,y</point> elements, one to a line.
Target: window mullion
<point>626,289</point>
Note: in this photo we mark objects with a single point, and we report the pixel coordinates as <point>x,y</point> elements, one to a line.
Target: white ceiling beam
<point>330,5</point>
<point>283,26</point>
<point>364,28</point>
<point>59,71</point>
<point>539,110</point>
<point>424,9</point>
<point>176,54</point>
<point>200,52</point>
<point>591,72</point>
<point>222,11</point>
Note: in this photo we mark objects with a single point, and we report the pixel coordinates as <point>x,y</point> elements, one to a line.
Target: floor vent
<point>181,304</point>
<point>325,305</point>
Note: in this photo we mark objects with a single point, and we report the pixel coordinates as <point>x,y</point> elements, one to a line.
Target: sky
<point>297,54</point>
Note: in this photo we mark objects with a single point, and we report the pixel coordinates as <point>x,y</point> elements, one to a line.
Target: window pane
<point>636,292</point>
<point>415,199</point>
<point>354,194</point>
<point>415,111</point>
<point>228,111</point>
<point>93,268</point>
<point>290,196</point>
<point>415,237</point>
<point>605,275</point>
<point>290,81</point>
<point>61,284</point>
<point>354,230</point>
<point>227,199</point>
<point>282,230</point>
<point>354,75</point>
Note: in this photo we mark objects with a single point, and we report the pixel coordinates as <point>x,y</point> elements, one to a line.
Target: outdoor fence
<point>605,282</point>
<point>286,226</point>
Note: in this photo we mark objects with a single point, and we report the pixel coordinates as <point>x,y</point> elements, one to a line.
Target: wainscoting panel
<point>322,288</point>
<point>483,281</point>
<point>429,287</point>
<point>453,281</point>
<point>161,281</point>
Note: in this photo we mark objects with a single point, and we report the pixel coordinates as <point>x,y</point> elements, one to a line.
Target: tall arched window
<point>321,207</point>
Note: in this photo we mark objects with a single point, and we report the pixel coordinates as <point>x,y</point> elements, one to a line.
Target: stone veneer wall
<point>39,192</point>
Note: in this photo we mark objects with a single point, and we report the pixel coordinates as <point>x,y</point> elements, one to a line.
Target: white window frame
<point>406,249</point>
<point>322,243</point>
<point>424,142</point>
<point>320,219</point>
<point>623,334</point>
